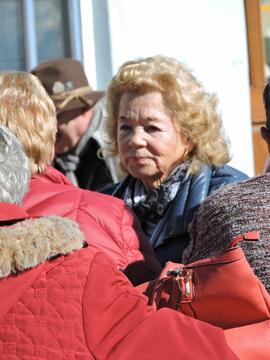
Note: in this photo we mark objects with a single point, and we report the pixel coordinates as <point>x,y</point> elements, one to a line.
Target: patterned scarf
<point>150,206</point>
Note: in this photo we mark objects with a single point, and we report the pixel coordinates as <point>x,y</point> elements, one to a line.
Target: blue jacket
<point>170,236</point>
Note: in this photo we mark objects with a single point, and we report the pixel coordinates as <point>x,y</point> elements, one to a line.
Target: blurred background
<point>225,42</point>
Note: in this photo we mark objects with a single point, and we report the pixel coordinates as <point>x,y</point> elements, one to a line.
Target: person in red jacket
<point>62,299</point>
<point>106,222</point>
<point>80,306</point>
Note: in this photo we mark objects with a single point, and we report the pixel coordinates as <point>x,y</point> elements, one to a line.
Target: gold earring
<point>185,155</point>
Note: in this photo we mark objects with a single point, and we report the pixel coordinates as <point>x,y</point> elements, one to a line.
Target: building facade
<point>211,37</point>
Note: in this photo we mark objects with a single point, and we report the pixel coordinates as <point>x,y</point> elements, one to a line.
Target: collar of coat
<point>29,243</point>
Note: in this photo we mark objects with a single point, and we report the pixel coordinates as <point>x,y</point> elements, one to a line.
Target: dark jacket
<point>83,164</point>
<point>89,171</point>
<point>170,236</point>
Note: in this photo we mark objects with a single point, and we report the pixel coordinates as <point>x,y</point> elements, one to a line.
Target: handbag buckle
<point>183,278</point>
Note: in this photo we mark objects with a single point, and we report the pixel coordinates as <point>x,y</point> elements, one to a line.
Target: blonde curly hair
<point>193,108</point>
<point>27,110</point>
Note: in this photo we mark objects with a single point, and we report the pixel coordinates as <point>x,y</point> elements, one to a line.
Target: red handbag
<point>222,290</point>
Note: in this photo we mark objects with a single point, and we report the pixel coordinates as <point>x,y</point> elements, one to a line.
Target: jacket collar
<point>31,242</point>
<point>194,190</point>
<point>52,175</point>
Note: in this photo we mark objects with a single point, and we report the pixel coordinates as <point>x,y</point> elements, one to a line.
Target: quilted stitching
<point>46,323</point>
<point>105,221</point>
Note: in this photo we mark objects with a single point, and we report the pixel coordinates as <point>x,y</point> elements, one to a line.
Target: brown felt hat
<point>66,83</point>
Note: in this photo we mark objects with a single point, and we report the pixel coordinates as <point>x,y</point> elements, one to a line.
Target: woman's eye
<point>152,128</point>
<point>124,127</point>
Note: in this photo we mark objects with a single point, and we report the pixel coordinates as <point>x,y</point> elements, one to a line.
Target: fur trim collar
<point>31,242</point>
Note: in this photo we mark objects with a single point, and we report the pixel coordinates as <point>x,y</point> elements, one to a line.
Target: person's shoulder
<point>232,174</point>
<point>255,181</point>
<point>58,196</point>
<point>101,199</point>
<point>254,184</point>
<point>225,175</point>
<point>215,177</point>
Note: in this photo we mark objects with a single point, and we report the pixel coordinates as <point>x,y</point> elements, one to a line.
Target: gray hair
<point>14,168</point>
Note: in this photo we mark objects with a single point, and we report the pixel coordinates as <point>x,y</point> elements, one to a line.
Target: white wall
<point>208,35</point>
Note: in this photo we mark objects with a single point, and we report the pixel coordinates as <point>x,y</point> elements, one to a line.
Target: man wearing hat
<point>80,116</point>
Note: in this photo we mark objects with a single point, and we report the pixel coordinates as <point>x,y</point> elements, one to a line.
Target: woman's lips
<point>138,159</point>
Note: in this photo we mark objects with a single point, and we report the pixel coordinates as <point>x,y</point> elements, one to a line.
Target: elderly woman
<point>169,136</point>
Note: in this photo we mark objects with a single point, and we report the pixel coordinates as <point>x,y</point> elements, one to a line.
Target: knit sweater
<point>230,211</point>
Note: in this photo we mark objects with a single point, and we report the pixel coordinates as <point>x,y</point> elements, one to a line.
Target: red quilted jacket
<point>79,306</point>
<point>105,221</point>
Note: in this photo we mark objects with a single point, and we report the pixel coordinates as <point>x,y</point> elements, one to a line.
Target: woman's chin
<point>141,171</point>
<point>145,175</point>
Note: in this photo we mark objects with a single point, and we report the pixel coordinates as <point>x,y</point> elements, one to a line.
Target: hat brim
<point>83,103</point>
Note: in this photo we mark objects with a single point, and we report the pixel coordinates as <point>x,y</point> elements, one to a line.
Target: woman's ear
<point>189,145</point>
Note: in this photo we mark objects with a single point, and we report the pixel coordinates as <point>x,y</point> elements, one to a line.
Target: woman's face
<point>149,141</point>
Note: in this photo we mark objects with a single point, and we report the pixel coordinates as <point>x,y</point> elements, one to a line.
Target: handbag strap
<point>248,236</point>
<point>233,252</point>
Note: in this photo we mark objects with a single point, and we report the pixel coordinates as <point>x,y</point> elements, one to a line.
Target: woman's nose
<point>137,138</point>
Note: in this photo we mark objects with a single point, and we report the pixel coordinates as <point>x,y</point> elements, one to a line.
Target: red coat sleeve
<point>251,341</point>
<point>119,325</point>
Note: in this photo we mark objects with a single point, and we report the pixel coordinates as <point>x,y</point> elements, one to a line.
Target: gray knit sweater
<point>230,211</point>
